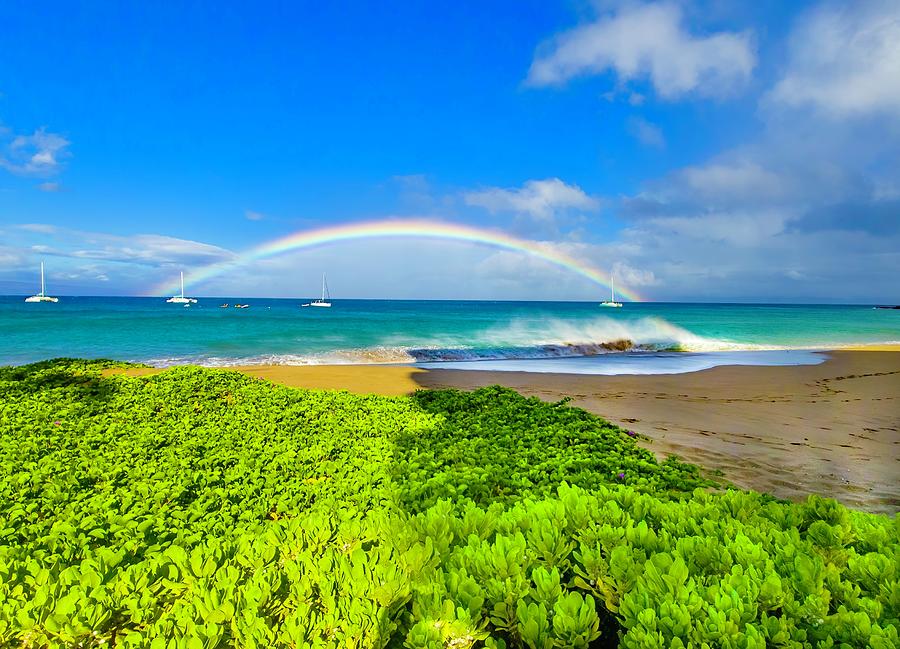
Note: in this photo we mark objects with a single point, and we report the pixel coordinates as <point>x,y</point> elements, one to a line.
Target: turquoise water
<point>537,336</point>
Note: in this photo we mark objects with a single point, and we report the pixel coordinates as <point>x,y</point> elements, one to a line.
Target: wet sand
<point>831,429</point>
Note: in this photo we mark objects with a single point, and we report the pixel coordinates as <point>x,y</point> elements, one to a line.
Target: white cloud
<point>844,61</point>
<point>631,276</point>
<point>541,199</point>
<point>39,154</point>
<point>735,228</point>
<point>11,257</point>
<point>752,255</point>
<point>38,227</point>
<point>89,273</point>
<point>142,249</point>
<point>728,184</point>
<point>646,133</point>
<point>772,221</point>
<point>735,180</point>
<point>806,209</point>
<point>648,41</point>
<point>517,271</point>
<point>153,250</point>
<point>98,263</point>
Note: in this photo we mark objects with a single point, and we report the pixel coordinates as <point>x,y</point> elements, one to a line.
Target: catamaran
<point>41,297</point>
<point>181,299</point>
<point>322,301</point>
<point>612,294</point>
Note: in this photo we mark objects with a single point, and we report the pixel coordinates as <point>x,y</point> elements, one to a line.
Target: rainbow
<point>405,228</point>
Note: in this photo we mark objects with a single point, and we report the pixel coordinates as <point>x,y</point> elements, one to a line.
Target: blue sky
<point>705,150</point>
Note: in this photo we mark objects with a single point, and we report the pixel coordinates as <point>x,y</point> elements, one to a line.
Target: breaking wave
<point>522,339</point>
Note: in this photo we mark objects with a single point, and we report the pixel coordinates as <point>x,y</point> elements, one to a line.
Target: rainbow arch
<point>393,228</point>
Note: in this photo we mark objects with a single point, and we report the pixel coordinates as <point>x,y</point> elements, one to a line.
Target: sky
<point>698,150</point>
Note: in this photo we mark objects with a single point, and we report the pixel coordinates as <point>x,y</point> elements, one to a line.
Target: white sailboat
<point>322,302</point>
<point>181,299</point>
<point>42,296</point>
<point>612,294</point>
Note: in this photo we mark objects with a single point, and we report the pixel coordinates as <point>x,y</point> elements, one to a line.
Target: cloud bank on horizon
<point>696,149</point>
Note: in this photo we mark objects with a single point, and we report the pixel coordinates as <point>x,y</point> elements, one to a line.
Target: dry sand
<point>388,380</point>
<point>831,429</point>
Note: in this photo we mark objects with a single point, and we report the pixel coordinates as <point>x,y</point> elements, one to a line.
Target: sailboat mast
<point>182,283</point>
<point>323,287</point>
<point>42,279</point>
<point>612,288</point>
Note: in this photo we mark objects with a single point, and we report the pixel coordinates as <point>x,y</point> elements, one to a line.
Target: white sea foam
<point>644,333</point>
<point>522,339</point>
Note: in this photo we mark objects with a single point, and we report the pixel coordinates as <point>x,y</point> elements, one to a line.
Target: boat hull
<point>41,298</point>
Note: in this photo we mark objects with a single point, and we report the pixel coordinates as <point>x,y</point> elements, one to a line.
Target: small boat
<point>42,296</point>
<point>181,299</point>
<point>612,295</point>
<point>223,306</point>
<point>322,302</point>
<point>241,306</point>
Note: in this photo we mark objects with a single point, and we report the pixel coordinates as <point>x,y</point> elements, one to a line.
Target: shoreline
<point>879,347</point>
<point>832,429</point>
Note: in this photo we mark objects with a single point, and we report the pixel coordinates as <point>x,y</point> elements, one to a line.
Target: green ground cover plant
<point>204,508</point>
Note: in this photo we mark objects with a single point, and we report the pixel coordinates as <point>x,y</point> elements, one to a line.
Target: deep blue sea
<point>575,337</point>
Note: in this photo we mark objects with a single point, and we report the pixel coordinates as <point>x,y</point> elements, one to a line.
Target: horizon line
<point>453,299</point>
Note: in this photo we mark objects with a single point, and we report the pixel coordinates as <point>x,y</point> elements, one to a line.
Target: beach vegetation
<point>202,508</point>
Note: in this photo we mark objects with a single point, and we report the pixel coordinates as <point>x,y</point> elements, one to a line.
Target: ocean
<point>576,337</point>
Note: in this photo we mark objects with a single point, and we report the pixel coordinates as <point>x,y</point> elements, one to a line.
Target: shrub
<point>203,508</point>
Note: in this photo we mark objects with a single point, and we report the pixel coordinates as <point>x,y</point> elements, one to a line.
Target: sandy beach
<point>831,429</point>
